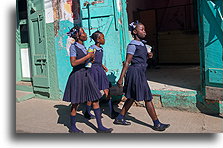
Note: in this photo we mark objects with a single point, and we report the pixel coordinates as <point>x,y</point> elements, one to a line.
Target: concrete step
<point>23,95</point>
<point>183,100</point>
<point>24,86</point>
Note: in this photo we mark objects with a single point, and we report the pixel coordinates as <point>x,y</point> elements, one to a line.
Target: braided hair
<point>96,35</point>
<point>74,32</point>
<point>133,25</point>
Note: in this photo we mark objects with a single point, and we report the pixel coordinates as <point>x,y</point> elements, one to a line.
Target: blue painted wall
<point>211,41</point>
<point>63,60</point>
<point>114,48</point>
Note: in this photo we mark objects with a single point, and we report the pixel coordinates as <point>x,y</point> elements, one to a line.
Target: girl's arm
<point>105,68</point>
<point>150,55</point>
<point>124,69</point>
<point>75,62</point>
<point>149,52</point>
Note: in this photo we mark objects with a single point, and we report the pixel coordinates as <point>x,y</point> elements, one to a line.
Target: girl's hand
<point>90,55</point>
<point>106,69</point>
<point>93,59</point>
<point>120,82</point>
<point>150,55</point>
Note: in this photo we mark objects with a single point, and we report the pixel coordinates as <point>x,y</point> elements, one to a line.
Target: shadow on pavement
<point>63,112</point>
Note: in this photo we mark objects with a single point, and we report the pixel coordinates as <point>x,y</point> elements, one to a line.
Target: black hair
<point>133,25</point>
<point>96,35</point>
<point>74,32</point>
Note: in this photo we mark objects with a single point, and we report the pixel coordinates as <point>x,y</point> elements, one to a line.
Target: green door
<point>211,41</point>
<point>104,16</point>
<point>40,70</point>
<point>23,72</point>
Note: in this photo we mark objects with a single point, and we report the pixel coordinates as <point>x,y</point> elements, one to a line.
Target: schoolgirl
<point>97,71</point>
<point>134,70</point>
<point>80,86</point>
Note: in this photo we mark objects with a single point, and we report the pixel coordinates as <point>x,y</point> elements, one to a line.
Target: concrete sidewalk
<point>46,116</point>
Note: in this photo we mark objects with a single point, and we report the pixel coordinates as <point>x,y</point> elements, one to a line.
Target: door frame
<point>19,46</point>
<point>209,90</point>
<point>37,88</point>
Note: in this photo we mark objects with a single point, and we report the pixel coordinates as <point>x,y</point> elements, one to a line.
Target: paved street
<point>46,116</point>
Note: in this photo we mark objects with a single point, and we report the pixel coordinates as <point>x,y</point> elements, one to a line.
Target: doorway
<point>22,40</point>
<point>172,31</point>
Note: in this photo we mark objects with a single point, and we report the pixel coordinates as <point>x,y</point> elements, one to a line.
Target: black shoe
<point>114,115</point>
<point>78,131</point>
<point>109,130</point>
<point>88,116</point>
<point>160,127</point>
<point>121,122</point>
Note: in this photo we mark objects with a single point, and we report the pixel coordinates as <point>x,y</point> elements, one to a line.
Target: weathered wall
<point>58,18</point>
<point>63,15</point>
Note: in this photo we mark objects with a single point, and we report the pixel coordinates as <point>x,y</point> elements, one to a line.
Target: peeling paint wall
<point>63,60</point>
<point>58,10</point>
<point>59,18</point>
<point>62,20</point>
<point>66,10</point>
<point>49,16</point>
<point>66,13</point>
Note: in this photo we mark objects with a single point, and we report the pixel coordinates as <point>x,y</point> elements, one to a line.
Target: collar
<point>135,42</point>
<point>96,47</point>
<point>80,46</point>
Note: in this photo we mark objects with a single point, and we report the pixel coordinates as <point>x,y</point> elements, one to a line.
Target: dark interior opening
<point>22,22</point>
<point>172,31</point>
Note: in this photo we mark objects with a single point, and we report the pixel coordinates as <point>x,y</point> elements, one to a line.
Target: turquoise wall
<point>211,41</point>
<point>113,57</point>
<point>63,60</point>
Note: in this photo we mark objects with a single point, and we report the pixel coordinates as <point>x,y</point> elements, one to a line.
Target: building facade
<point>42,46</point>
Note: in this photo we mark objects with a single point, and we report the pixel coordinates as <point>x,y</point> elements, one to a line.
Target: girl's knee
<point>147,101</point>
<point>106,91</point>
<point>74,106</point>
<point>89,103</point>
<point>95,104</point>
<point>74,109</point>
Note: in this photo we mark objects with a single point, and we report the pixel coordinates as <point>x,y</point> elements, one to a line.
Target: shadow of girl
<point>133,119</point>
<point>105,110</point>
<point>63,112</point>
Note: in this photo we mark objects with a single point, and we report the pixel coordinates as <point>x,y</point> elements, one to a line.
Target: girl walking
<point>80,86</point>
<point>134,70</point>
<point>97,71</point>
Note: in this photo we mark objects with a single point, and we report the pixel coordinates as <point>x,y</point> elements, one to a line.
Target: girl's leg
<point>87,113</point>
<point>151,110</point>
<point>112,112</point>
<point>97,112</point>
<point>152,113</point>
<point>73,113</point>
<point>126,107</point>
<point>120,118</point>
<point>106,91</point>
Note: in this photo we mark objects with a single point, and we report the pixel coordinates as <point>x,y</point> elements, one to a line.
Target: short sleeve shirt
<point>73,49</point>
<point>131,47</point>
